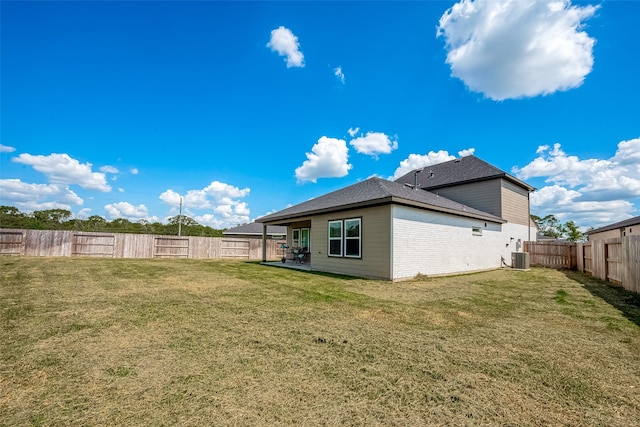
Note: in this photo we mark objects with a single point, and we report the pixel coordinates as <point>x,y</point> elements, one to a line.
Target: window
<point>352,246</point>
<point>335,238</point>
<point>476,231</point>
<point>304,238</point>
<point>345,238</point>
<point>300,238</point>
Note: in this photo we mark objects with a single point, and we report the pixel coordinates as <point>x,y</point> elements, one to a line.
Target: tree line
<point>61,219</point>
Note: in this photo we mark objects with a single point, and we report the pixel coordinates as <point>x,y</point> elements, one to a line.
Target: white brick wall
<point>432,243</point>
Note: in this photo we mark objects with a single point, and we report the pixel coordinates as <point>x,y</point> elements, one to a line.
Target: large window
<point>345,238</point>
<point>335,238</point>
<point>352,246</point>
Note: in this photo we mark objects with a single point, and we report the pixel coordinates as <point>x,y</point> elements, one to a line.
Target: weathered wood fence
<point>552,254</point>
<point>121,245</point>
<point>616,260</point>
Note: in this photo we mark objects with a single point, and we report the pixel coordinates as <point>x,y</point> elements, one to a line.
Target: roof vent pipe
<point>415,178</point>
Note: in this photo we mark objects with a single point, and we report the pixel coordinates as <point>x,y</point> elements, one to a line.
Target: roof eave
<point>457,212</point>
<point>300,215</point>
<point>484,178</point>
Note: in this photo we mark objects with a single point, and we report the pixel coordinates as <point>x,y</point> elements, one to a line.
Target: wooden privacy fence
<point>552,254</point>
<point>616,260</point>
<point>121,245</point>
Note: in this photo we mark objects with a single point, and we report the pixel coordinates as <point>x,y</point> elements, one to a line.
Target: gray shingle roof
<point>459,171</point>
<point>254,228</point>
<point>621,224</point>
<point>372,192</point>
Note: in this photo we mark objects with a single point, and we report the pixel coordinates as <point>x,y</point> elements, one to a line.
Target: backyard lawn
<point>210,342</point>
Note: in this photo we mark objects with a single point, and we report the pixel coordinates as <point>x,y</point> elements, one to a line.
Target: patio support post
<point>264,242</point>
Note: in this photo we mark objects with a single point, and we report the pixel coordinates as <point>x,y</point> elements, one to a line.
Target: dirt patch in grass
<point>187,342</point>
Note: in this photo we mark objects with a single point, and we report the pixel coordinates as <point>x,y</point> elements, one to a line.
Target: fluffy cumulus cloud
<point>6,149</point>
<point>127,211</point>
<point>518,48</point>
<point>416,161</point>
<point>35,197</point>
<point>591,192</point>
<point>286,44</point>
<point>329,158</point>
<point>373,143</point>
<point>217,205</point>
<point>61,169</point>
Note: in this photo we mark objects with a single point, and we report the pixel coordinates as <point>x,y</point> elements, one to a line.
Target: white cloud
<point>286,44</point>
<point>83,213</point>
<point>567,205</point>
<point>415,161</point>
<point>171,198</point>
<point>339,74</point>
<point>219,198</point>
<point>32,197</point>
<point>127,211</point>
<point>591,192</point>
<point>109,169</point>
<point>374,143</point>
<point>353,131</point>
<point>64,170</point>
<point>6,149</point>
<point>466,152</point>
<point>134,171</point>
<point>329,158</point>
<point>514,49</point>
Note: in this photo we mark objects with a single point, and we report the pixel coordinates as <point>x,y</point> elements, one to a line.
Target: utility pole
<point>180,219</point>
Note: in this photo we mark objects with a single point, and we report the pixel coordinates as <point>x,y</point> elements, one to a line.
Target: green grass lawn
<point>199,342</point>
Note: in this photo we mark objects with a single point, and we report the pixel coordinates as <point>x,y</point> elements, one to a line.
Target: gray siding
<point>483,195</point>
<point>515,203</point>
<point>605,235</point>
<point>376,244</point>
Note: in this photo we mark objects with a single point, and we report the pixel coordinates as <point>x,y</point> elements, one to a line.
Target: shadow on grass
<point>626,301</point>
<point>312,272</point>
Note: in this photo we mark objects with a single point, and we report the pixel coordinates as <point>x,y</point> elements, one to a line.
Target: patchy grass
<point>193,342</point>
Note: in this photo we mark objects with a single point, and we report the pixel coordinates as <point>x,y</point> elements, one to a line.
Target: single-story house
<point>253,230</point>
<point>619,229</point>
<point>459,216</point>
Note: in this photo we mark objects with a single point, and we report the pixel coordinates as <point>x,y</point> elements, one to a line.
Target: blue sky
<point>119,109</point>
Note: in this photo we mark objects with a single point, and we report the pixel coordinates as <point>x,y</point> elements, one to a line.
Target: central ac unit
<point>520,260</point>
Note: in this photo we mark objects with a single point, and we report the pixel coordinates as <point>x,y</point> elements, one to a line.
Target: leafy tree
<point>182,219</point>
<point>51,218</point>
<point>550,226</point>
<point>11,217</point>
<point>572,232</point>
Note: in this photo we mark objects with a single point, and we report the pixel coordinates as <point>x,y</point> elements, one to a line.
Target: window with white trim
<point>335,238</point>
<point>345,238</point>
<point>352,238</point>
<point>295,238</point>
